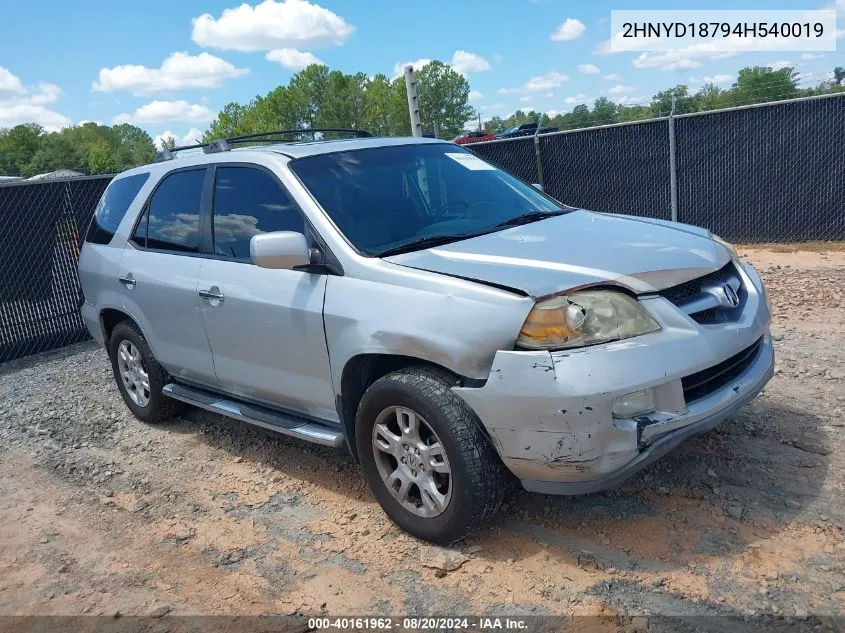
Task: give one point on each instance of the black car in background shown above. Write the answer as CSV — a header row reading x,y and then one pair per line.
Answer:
x,y
526,129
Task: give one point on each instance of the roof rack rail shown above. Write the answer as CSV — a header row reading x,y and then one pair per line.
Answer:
x,y
224,145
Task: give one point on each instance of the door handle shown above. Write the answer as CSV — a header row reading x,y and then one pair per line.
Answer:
x,y
127,280
212,294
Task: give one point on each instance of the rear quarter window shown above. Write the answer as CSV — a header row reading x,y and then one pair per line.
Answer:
x,y
112,207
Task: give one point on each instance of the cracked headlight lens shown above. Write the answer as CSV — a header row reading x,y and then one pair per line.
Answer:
x,y
584,318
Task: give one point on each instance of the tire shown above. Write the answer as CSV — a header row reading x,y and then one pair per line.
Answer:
x,y
464,499
148,405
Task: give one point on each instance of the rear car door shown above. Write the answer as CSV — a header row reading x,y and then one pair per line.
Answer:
x,y
158,274
265,326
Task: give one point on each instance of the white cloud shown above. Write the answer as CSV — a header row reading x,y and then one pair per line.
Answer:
x,y
579,98
712,79
779,65
497,57
667,60
540,83
15,114
589,69
475,95
399,67
839,5
192,137
620,89
160,111
526,108
271,25
630,100
292,58
613,77
690,56
179,71
526,98
571,29
809,56
20,104
840,34
10,83
464,62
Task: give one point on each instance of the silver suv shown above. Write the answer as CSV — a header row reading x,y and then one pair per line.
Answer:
x,y
446,322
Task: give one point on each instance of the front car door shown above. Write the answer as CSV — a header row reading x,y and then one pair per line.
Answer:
x,y
265,326
158,274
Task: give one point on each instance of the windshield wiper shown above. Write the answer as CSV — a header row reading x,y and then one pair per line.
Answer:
x,y
425,242
526,218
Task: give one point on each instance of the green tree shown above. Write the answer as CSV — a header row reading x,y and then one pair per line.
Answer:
x,y
101,158
661,103
761,84
838,75
605,111
228,122
135,146
55,152
18,146
710,97
444,99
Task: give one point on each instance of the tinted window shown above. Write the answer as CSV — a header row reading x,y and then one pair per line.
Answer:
x,y
383,198
113,206
140,234
174,212
247,202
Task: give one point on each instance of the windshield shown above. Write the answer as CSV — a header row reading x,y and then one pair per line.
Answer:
x,y
388,197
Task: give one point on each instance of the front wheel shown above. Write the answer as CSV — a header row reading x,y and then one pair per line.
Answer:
x,y
425,456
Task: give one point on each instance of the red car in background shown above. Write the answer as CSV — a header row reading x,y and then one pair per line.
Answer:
x,y
474,137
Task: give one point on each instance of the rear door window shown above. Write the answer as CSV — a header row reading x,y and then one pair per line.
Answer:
x,y
113,206
173,213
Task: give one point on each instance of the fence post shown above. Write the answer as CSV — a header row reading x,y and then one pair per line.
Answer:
x,y
539,156
673,165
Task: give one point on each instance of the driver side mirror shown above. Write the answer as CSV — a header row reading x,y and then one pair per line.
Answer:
x,y
279,250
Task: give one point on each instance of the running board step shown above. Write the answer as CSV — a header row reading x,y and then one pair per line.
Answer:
x,y
257,415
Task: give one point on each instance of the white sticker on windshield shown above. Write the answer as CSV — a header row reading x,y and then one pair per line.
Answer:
x,y
469,161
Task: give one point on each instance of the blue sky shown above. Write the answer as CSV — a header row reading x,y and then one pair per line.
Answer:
x,y
170,65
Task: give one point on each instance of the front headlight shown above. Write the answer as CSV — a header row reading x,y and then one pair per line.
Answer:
x,y
727,245
584,318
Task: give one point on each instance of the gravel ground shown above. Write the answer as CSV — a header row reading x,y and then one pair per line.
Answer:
x,y
101,514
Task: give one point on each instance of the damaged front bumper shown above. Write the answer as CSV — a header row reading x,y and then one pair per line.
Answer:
x,y
549,414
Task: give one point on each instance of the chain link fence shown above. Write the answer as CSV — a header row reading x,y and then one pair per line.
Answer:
x,y
42,226
759,174
764,173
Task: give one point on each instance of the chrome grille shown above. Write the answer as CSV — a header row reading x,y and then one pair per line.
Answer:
x,y
707,299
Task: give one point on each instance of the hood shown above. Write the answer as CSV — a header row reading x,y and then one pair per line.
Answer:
x,y
578,249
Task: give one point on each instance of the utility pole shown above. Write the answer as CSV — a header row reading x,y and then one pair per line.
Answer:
x,y
480,129
673,166
413,101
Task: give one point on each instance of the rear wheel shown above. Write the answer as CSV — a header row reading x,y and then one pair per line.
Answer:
x,y
426,459
139,377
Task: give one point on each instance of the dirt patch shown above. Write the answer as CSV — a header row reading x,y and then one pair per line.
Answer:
x,y
103,514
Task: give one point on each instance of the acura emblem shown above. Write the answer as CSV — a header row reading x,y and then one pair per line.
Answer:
x,y
730,295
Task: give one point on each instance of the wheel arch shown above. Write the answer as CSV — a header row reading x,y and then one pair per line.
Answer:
x,y
363,370
111,317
